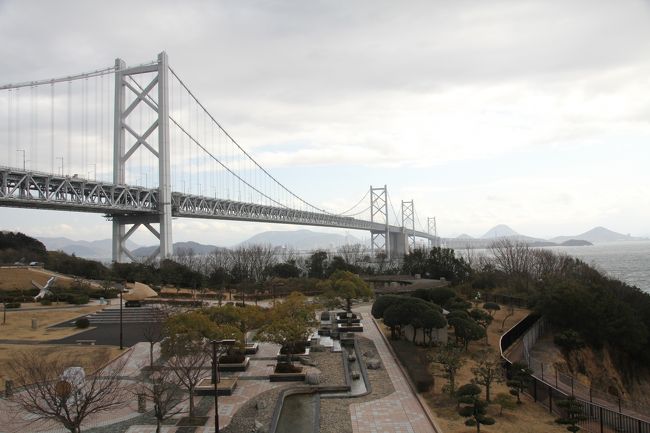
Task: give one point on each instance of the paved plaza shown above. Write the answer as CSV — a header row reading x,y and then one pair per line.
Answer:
x,y
399,412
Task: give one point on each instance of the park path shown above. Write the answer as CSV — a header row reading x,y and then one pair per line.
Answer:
x,y
399,412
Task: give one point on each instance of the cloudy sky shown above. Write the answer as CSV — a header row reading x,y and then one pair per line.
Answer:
x,y
531,113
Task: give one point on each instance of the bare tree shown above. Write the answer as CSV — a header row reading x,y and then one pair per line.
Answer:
x,y
52,392
187,360
353,254
164,389
153,331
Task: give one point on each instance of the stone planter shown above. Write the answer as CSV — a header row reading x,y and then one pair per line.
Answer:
x,y
235,366
251,348
226,386
288,377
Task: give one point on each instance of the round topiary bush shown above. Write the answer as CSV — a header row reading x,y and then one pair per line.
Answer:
x,y
82,323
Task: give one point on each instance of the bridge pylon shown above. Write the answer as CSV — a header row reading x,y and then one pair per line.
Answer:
x,y
379,240
408,223
155,95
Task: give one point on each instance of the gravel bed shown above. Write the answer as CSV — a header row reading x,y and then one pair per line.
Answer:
x,y
335,413
330,365
258,409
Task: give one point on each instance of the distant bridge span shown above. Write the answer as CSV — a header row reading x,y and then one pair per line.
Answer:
x,y
160,134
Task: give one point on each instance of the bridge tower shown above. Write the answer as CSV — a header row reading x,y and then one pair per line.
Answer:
x,y
155,95
408,223
432,230
378,211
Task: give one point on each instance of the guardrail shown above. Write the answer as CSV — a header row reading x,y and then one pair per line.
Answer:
x,y
600,417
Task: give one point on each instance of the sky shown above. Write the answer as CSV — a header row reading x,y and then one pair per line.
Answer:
x,y
530,113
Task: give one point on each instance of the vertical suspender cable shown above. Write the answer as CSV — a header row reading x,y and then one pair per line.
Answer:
x,y
9,127
52,128
68,142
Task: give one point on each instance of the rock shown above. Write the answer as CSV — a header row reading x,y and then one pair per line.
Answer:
x,y
356,376
312,378
306,361
373,364
259,427
369,354
260,405
352,358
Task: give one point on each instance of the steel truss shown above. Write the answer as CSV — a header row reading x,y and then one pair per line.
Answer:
x,y
45,191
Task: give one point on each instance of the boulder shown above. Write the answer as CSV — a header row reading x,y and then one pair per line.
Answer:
x,y
260,427
312,378
373,364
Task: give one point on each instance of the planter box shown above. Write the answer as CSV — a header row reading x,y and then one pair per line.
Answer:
x,y
287,377
240,366
226,386
251,348
353,327
294,356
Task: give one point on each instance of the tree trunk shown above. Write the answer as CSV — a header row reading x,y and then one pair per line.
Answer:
x,y
157,426
191,402
487,393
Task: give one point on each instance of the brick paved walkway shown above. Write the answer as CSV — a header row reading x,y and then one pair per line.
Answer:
x,y
400,412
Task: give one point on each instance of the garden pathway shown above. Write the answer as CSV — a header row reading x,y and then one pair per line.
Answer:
x,y
399,412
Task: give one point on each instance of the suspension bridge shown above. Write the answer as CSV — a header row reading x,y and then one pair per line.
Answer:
x,y
135,144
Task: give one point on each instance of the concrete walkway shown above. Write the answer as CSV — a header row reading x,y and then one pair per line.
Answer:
x,y
400,412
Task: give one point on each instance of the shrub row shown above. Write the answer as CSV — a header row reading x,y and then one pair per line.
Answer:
x,y
415,363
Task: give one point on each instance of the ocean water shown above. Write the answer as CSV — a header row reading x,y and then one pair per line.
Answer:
x,y
625,261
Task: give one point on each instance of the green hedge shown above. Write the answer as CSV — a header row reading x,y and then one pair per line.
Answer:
x,y
414,360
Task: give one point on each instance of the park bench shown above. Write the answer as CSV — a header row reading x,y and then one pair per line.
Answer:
x,y
90,342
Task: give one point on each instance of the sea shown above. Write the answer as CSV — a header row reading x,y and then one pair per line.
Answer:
x,y
625,261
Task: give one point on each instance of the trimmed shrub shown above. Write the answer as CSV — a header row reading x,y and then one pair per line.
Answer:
x,y
45,302
82,323
77,299
9,305
569,340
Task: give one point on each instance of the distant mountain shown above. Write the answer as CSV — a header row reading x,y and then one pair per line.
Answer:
x,y
302,239
463,236
598,235
100,249
197,248
500,231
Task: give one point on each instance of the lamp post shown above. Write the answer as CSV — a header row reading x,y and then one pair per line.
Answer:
x,y
121,332
215,375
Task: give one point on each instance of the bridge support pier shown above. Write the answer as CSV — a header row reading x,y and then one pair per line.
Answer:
x,y
399,245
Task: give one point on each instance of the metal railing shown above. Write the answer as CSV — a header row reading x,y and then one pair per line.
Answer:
x,y
602,416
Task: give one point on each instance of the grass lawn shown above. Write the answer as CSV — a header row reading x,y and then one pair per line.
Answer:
x,y
88,357
19,323
528,417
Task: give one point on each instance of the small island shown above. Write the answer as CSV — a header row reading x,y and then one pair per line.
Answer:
x,y
575,243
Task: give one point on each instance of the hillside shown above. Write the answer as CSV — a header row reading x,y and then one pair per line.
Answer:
x,y
179,247
99,249
302,239
598,235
